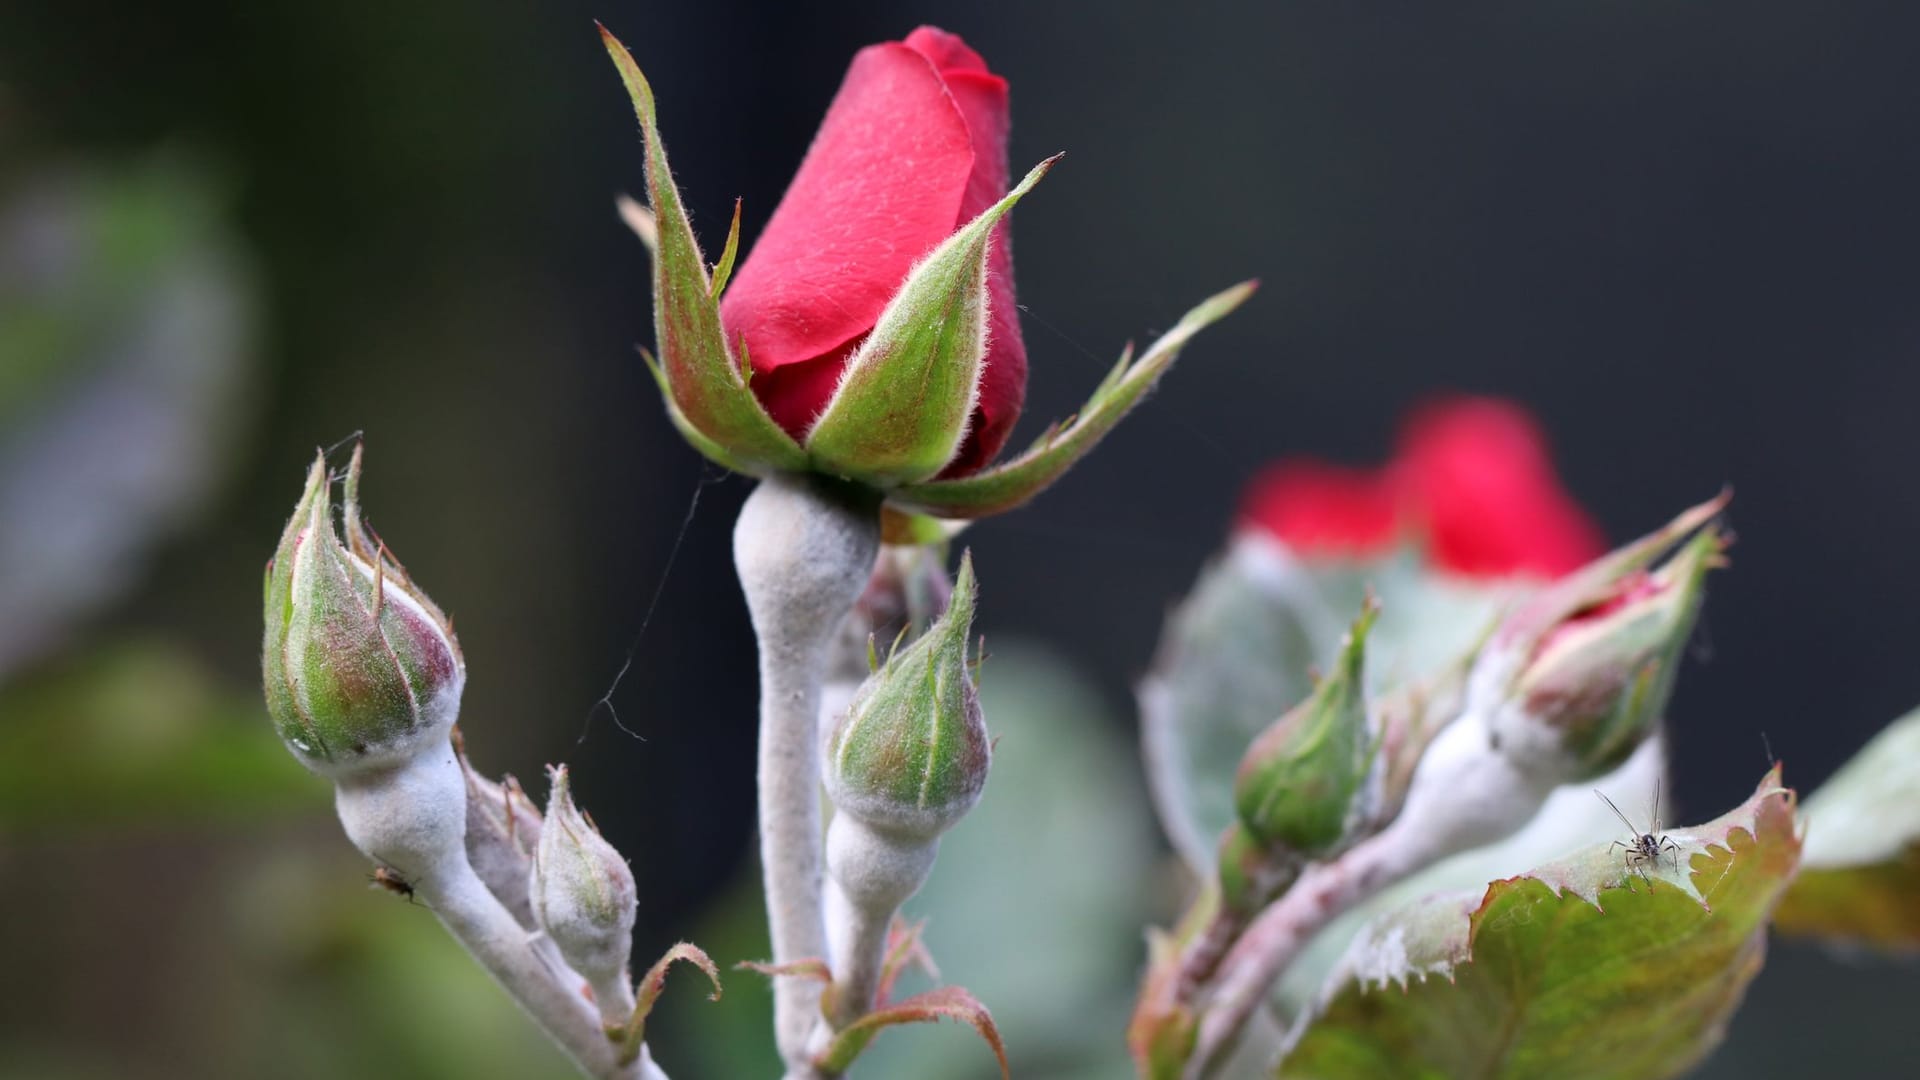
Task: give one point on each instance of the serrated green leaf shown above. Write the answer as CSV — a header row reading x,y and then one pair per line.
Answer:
x,y
901,408
1570,819
704,384
1012,483
1860,881
1579,969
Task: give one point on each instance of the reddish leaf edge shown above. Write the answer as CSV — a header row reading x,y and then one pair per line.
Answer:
x,y
653,982
949,1002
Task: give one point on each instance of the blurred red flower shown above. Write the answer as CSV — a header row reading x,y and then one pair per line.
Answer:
x,y
913,146
1471,480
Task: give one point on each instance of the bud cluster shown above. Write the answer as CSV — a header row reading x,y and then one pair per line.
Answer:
x,y
363,679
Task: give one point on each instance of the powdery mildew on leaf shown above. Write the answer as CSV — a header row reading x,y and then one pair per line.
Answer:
x,y
1579,969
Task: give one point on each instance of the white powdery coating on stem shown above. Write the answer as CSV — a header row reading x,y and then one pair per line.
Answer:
x,y
803,558
486,930
870,873
412,820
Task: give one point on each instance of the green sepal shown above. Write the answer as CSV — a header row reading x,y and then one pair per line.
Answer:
x,y
1012,483
709,449
901,408
703,382
902,527
723,270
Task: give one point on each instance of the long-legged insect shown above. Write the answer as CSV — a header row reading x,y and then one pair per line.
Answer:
x,y
383,878
1645,847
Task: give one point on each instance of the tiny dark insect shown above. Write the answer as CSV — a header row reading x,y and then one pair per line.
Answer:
x,y
1645,847
383,878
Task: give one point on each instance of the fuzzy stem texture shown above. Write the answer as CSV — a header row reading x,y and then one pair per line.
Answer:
x,y
1465,794
870,873
412,819
803,553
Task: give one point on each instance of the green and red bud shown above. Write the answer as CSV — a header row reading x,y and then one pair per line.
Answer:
x,y
583,894
361,670
1303,786
1584,670
911,753
872,335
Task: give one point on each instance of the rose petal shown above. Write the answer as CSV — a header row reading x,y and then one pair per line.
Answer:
x,y
1318,508
1485,489
881,185
947,51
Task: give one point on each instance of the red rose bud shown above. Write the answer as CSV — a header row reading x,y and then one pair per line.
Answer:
x,y
584,896
1472,480
906,397
1302,787
1583,671
910,755
1324,510
361,670
913,148
872,334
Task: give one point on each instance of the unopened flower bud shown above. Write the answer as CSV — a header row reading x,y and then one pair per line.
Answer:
x,y
503,830
1585,669
361,669
1302,786
584,895
910,755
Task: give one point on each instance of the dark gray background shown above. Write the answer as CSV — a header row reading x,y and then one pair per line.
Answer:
x,y
1684,234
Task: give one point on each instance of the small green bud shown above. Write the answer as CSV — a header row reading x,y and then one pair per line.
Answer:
x,y
1302,783
361,670
584,895
1589,665
910,755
